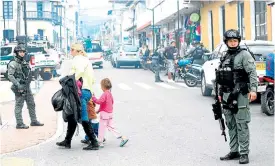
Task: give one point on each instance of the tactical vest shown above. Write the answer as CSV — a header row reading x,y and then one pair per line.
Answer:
x,y
227,76
25,74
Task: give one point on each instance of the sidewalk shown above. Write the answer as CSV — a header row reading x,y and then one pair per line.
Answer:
x,y
13,139
7,95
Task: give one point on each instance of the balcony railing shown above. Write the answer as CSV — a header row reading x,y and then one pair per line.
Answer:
x,y
44,16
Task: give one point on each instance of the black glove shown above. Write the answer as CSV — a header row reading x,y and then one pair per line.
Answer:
x,y
234,94
20,87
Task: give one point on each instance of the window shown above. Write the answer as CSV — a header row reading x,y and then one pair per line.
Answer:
x,y
241,20
39,9
130,48
95,48
5,51
8,9
260,21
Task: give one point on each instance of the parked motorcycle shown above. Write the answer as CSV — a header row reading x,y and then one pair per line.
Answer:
x,y
181,69
107,55
193,75
267,97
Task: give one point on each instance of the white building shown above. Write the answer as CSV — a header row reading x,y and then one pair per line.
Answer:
x,y
46,19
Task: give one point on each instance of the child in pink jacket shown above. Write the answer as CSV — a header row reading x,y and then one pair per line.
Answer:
x,y
106,102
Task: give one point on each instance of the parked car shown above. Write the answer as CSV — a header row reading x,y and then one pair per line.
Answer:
x,y
126,55
95,54
259,48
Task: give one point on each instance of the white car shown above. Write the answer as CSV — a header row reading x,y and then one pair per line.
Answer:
x,y
259,48
126,55
95,55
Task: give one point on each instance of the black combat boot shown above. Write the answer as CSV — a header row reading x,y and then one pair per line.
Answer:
x,y
65,143
158,80
244,159
21,126
36,123
70,132
90,133
231,156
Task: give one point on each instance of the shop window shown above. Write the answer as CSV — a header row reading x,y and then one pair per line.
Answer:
x,y
260,21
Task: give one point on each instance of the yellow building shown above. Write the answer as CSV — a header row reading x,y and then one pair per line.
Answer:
x,y
252,19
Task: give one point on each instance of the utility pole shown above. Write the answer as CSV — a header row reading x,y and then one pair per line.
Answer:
x,y
153,27
153,30
178,31
134,15
25,22
18,22
60,27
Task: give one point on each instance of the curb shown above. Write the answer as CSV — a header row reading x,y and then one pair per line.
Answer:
x,y
58,133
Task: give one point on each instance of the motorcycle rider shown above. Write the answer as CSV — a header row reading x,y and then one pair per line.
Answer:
x,y
171,53
197,52
20,76
237,80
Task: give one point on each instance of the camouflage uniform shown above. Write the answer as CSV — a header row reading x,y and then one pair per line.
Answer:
x,y
19,75
241,64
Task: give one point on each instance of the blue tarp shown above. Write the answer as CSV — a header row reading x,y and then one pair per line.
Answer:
x,y
270,65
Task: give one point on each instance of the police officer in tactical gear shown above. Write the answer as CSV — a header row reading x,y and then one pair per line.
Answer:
x,y
20,76
156,58
237,80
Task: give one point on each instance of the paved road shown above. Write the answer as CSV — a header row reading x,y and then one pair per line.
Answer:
x,y
168,125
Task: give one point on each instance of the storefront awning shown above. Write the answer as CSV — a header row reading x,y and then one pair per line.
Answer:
x,y
144,26
131,28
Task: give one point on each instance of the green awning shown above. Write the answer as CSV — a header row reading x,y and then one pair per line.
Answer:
x,y
131,28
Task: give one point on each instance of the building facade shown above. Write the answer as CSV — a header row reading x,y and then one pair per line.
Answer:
x,y
55,20
252,18
170,20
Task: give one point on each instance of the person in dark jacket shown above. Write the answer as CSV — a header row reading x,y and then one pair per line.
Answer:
x,y
81,69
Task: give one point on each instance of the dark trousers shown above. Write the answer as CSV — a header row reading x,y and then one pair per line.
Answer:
x,y
86,126
156,69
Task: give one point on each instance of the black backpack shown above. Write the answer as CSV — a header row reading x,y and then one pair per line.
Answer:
x,y
6,74
198,53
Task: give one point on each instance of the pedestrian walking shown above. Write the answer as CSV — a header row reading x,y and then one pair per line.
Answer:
x,y
81,69
19,73
106,102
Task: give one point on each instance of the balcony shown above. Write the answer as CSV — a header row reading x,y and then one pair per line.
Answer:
x,y
44,16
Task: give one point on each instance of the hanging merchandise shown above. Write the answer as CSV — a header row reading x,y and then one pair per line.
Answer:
x,y
192,26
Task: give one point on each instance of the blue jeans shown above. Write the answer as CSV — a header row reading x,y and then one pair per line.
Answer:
x,y
85,98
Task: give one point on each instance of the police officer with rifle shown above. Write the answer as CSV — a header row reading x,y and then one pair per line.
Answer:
x,y
236,86
20,76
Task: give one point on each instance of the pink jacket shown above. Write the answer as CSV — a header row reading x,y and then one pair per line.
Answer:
x,y
79,85
106,102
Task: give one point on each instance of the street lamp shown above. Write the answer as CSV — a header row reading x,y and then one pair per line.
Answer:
x,y
153,22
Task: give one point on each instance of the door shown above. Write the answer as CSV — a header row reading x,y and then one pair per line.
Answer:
x,y
40,32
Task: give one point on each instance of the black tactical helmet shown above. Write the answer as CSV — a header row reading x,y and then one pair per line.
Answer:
x,y
20,47
231,34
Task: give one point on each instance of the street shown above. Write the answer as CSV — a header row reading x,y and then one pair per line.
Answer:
x,y
167,125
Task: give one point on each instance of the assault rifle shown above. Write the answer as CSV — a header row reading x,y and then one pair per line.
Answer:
x,y
217,109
